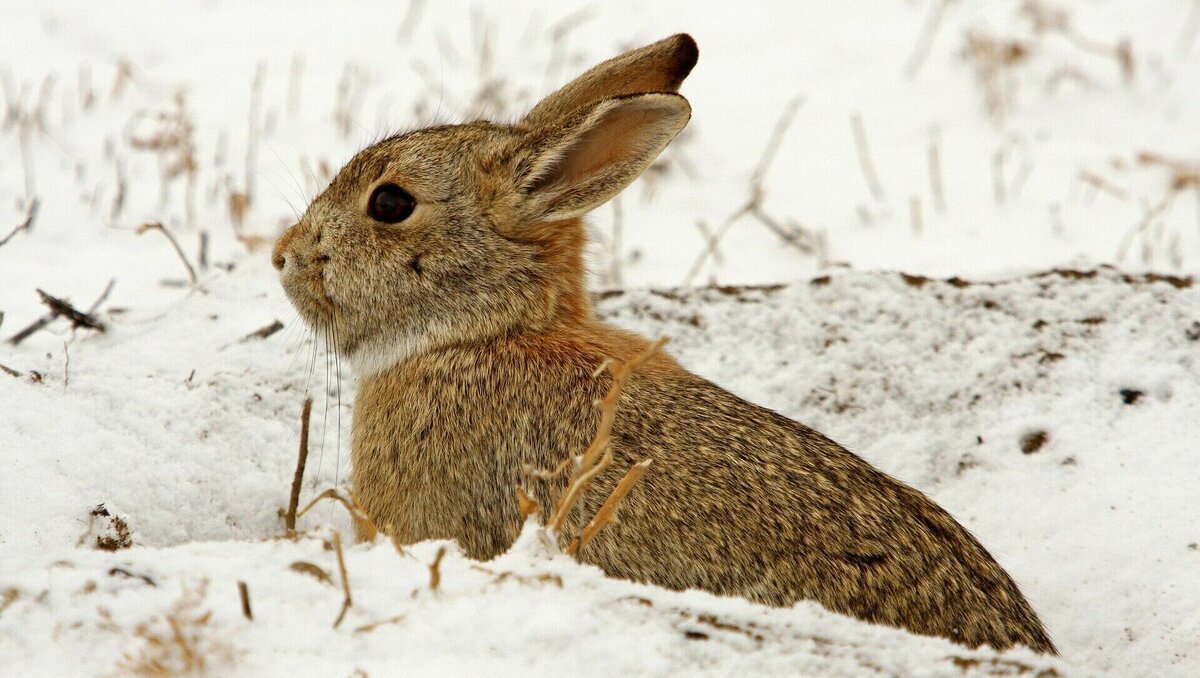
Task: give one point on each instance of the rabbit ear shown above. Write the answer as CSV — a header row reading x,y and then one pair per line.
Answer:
x,y
580,166
660,67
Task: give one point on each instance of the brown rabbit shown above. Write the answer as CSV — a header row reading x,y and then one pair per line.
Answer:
x,y
447,264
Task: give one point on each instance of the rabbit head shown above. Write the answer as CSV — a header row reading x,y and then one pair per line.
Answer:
x,y
457,233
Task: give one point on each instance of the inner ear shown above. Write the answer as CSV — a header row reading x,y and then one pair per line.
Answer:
x,y
618,138
591,161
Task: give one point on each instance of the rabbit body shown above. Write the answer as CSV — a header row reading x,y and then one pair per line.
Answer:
x,y
466,316
739,500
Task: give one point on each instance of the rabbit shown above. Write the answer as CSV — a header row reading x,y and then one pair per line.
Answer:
x,y
447,266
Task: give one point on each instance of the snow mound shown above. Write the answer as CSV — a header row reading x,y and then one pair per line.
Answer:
x,y
527,613
1053,415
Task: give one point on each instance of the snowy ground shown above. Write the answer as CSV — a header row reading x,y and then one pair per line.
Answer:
x,y
185,429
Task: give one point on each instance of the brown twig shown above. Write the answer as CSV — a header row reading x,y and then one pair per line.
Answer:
x,y
244,595
525,505
157,226
1050,19
914,210
933,20
347,601
604,515
711,244
26,223
598,455
367,628
1150,214
1184,174
360,517
1103,185
863,148
435,571
936,185
995,58
297,479
33,327
49,317
59,307
202,251
118,201
264,331
172,141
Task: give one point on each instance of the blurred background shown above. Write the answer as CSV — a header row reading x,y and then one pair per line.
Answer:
x,y
939,137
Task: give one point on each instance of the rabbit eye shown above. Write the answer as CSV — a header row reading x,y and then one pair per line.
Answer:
x,y
390,204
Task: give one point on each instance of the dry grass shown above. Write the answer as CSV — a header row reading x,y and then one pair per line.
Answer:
x,y
933,21
863,149
435,569
598,456
58,307
367,527
1049,19
357,514
109,532
995,58
604,515
179,642
171,138
347,599
298,476
1151,231
790,232
312,570
26,224
244,597
158,226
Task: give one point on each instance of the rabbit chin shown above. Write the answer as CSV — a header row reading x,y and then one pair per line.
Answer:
x,y
382,352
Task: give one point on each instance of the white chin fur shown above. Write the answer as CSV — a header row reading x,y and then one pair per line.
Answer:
x,y
379,355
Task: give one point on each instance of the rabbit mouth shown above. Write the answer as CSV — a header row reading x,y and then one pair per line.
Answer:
x,y
310,297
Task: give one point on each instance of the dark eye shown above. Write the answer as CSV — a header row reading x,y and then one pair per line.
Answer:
x,y
390,204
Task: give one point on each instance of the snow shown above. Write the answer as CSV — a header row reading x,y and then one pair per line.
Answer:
x,y
184,426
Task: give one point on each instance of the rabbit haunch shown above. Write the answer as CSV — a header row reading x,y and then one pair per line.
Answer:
x,y
476,347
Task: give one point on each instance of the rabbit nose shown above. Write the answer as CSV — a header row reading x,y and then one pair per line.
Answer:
x,y
279,254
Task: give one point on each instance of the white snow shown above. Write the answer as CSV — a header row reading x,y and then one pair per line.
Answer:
x,y
186,430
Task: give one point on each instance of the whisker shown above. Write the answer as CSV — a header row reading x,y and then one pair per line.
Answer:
x,y
325,414
311,173
295,328
312,363
337,361
282,196
291,174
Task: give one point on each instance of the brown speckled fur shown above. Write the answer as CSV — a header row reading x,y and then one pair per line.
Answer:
x,y
476,344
